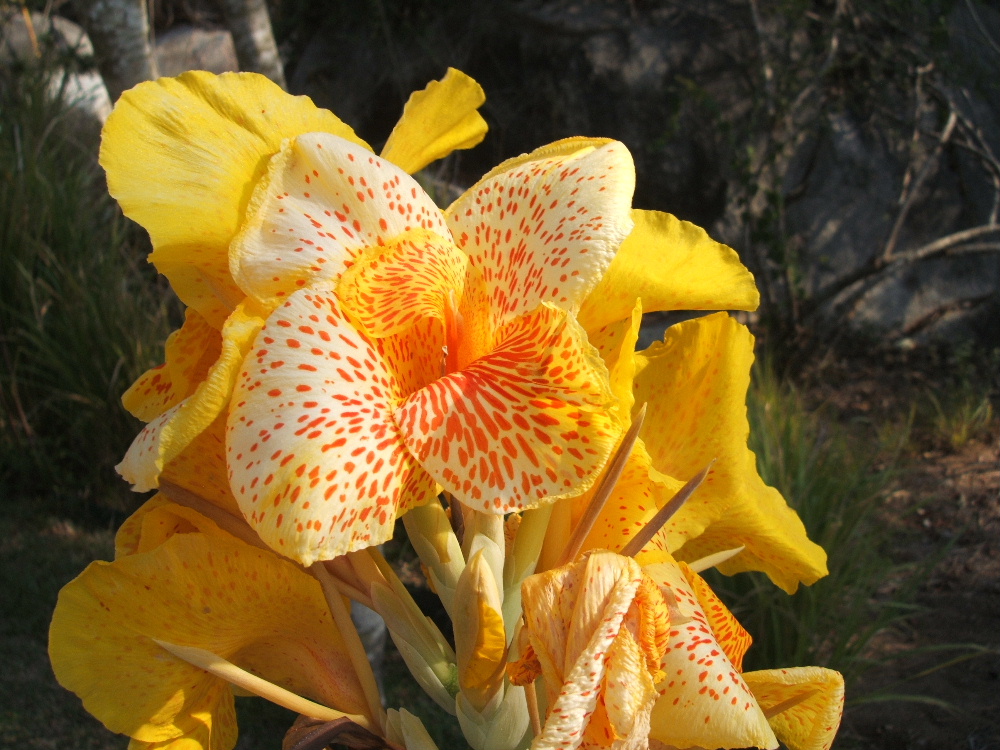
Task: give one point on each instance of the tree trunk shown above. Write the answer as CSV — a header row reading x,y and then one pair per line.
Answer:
x,y
250,26
119,31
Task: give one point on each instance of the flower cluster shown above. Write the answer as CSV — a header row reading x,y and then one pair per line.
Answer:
x,y
351,355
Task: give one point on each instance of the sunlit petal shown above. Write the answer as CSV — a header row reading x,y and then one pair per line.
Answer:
x,y
695,383
190,352
728,631
671,265
807,703
531,421
243,603
544,227
703,701
440,119
323,201
168,435
193,147
317,462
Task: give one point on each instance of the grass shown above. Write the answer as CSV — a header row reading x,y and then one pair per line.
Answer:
x,y
835,485
81,315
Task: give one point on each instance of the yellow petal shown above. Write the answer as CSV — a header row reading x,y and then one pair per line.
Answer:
x,y
616,344
190,351
804,704
440,119
242,603
168,435
703,701
212,731
323,201
728,631
182,156
671,265
201,468
480,640
154,522
695,384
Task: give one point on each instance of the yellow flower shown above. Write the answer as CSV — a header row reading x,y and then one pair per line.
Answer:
x,y
127,636
694,385
347,413
183,156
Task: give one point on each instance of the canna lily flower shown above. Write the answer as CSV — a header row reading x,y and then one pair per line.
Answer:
x,y
153,642
347,412
597,631
183,156
694,386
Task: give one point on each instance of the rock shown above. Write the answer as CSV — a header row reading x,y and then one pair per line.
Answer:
x,y
81,88
191,48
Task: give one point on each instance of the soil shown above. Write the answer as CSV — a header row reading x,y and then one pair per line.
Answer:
x,y
944,512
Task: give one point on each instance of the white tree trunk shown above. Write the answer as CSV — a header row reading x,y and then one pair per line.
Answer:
x,y
119,31
256,49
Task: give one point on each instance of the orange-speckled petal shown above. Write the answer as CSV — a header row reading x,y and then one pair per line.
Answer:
x,y
182,156
732,636
545,227
316,461
190,352
323,201
245,604
695,384
532,421
703,701
671,265
808,703
169,434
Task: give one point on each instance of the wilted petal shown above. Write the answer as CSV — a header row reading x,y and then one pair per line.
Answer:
x,y
316,460
807,704
670,265
442,118
695,384
528,422
193,147
323,201
544,227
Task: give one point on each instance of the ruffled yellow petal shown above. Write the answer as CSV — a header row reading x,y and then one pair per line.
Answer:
x,y
190,352
216,593
442,118
670,265
695,385
154,522
704,702
183,155
323,201
201,468
168,435
616,344
804,704
212,731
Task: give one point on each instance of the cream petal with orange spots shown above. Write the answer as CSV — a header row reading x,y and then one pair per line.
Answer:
x,y
544,227
190,352
695,384
530,422
316,460
242,603
169,434
805,704
670,265
703,701
442,118
323,201
732,636
182,156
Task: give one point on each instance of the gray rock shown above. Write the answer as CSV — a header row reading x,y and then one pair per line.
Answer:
x,y
191,48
